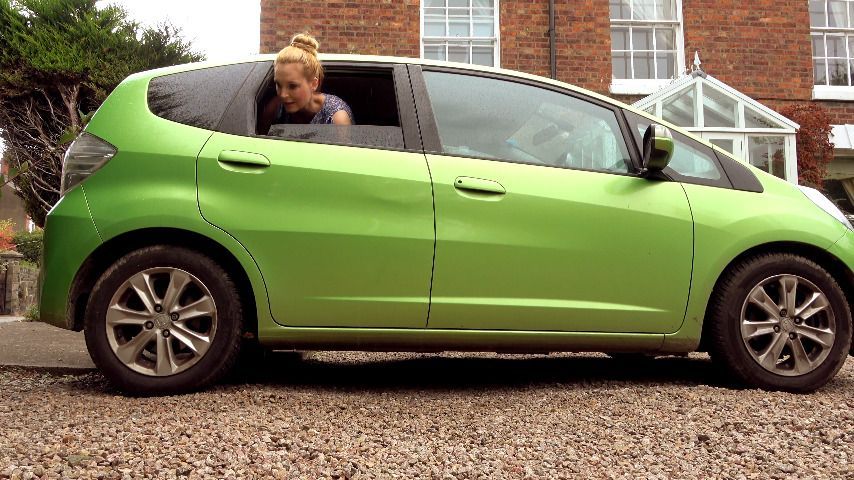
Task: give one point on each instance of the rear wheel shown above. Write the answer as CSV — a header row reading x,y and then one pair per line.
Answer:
x,y
779,322
164,319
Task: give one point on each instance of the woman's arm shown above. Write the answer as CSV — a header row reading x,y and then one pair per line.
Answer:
x,y
341,118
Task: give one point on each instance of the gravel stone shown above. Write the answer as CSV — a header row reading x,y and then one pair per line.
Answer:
x,y
354,415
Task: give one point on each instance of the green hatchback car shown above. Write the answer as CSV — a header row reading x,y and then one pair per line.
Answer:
x,y
469,208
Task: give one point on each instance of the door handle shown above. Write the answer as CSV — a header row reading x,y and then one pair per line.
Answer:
x,y
479,185
243,159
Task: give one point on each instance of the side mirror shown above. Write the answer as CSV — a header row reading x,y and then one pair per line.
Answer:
x,y
657,148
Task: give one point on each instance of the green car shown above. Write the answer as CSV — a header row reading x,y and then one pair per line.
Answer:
x,y
469,208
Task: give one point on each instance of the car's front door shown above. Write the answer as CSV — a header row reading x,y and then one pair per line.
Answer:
x,y
541,223
340,221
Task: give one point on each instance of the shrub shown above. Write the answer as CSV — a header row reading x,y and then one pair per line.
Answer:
x,y
29,244
32,314
813,139
6,233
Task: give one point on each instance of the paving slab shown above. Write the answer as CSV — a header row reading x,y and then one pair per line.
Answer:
x,y
41,346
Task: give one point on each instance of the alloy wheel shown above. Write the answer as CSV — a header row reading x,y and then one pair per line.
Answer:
x,y
161,321
788,325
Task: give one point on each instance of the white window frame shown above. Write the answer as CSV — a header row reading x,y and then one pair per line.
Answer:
x,y
496,57
637,86
833,92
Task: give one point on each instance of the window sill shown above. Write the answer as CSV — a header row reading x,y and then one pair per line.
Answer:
x,y
637,87
824,92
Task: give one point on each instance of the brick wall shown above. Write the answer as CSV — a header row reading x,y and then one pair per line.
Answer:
x,y
761,48
584,43
524,36
376,27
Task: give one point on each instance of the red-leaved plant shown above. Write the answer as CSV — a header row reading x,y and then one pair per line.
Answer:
x,y
6,232
813,139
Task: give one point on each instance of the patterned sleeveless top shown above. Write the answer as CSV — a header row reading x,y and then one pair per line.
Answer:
x,y
331,105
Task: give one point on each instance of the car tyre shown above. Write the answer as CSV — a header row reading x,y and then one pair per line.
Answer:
x,y
754,335
164,320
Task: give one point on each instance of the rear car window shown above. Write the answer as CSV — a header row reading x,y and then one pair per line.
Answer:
x,y
369,92
198,97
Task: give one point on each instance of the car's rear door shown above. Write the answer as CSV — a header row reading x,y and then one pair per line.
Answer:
x,y
541,222
339,220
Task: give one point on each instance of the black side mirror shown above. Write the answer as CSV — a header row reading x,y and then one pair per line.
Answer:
x,y
657,148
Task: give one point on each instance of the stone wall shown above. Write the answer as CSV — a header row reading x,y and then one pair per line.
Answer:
x,y
19,284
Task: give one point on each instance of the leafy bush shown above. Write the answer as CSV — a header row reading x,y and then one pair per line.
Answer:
x,y
29,244
59,59
32,314
813,142
6,233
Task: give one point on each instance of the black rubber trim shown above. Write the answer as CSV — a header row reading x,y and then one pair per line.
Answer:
x,y
634,152
406,112
241,115
740,176
426,120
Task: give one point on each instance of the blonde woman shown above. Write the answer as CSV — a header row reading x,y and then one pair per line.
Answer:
x,y
298,73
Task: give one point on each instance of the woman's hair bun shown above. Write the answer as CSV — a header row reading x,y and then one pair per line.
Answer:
x,y
305,42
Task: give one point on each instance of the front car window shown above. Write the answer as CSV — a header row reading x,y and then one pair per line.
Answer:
x,y
460,31
506,120
692,161
644,39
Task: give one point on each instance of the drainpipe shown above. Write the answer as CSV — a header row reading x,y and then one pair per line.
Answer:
x,y
552,47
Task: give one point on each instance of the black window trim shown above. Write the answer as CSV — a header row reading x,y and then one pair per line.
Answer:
x,y
244,123
430,130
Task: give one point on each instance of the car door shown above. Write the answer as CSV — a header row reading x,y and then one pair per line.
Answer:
x,y
541,221
338,219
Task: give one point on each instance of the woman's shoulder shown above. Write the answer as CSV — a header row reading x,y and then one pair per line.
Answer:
x,y
334,103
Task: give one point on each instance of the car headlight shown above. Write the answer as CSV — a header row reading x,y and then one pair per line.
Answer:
x,y
825,204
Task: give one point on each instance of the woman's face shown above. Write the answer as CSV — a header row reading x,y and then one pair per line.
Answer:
x,y
293,88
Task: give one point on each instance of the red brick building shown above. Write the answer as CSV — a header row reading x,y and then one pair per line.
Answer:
x,y
776,51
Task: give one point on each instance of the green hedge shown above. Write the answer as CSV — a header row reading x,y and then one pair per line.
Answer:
x,y
29,245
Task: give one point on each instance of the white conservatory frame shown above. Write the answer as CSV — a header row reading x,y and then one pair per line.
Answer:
x,y
739,134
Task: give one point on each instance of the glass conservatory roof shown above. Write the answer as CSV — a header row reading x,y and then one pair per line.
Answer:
x,y
700,101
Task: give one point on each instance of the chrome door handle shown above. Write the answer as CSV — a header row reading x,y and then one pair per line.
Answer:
x,y
479,185
244,159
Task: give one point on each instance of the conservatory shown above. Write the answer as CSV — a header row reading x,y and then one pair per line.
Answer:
x,y
729,119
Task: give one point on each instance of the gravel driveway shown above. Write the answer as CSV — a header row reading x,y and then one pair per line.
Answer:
x,y
359,415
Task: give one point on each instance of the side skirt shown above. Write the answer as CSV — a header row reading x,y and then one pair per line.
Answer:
x,y
434,340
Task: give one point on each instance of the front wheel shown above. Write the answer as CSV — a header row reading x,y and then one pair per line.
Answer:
x,y
164,319
779,322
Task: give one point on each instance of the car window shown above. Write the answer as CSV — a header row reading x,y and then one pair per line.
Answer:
x,y
691,159
506,120
197,97
371,96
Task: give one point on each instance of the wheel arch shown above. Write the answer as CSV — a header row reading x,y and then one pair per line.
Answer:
x,y
836,267
113,249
